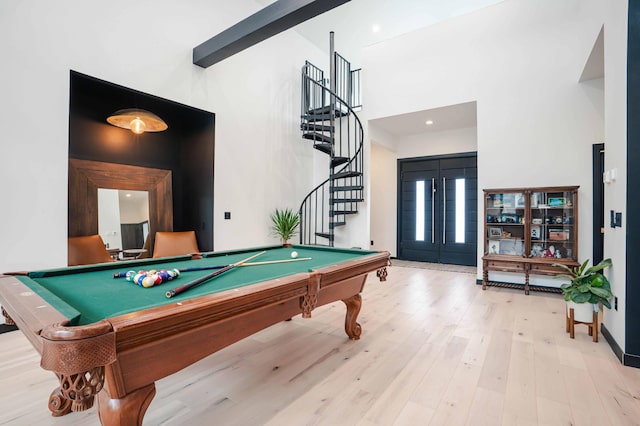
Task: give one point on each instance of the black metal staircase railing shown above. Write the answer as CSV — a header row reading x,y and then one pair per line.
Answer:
x,y
328,119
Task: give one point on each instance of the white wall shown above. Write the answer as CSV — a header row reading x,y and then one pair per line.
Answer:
x,y
384,199
521,61
438,143
615,47
260,160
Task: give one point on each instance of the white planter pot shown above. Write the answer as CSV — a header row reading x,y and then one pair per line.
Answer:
x,y
582,312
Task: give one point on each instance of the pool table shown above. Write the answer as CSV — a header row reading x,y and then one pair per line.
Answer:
x,y
109,337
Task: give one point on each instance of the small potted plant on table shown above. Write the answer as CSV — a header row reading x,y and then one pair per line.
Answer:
x,y
586,290
284,224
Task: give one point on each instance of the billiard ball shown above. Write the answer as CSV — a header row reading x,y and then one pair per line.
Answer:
x,y
294,254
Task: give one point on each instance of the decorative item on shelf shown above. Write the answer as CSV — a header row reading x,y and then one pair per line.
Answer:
x,y
284,224
494,247
536,199
137,120
586,290
549,252
496,200
556,201
506,234
559,235
509,219
519,200
537,251
536,221
535,232
508,200
511,247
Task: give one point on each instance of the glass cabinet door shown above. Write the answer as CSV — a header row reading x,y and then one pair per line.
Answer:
x,y
553,225
505,223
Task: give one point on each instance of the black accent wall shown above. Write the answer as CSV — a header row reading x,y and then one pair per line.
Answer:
x,y
632,308
186,147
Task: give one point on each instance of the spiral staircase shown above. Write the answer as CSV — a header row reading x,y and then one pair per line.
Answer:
x,y
329,120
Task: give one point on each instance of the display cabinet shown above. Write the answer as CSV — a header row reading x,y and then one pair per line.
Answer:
x,y
527,230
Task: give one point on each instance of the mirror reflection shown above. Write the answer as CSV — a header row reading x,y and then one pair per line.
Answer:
x,y
123,221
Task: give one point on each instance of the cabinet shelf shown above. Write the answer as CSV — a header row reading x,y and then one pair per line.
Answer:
x,y
513,243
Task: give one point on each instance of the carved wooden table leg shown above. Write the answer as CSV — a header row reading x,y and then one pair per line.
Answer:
x,y
128,410
382,273
77,390
352,328
7,318
58,404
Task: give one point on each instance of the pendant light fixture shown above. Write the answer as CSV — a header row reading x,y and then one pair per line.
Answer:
x,y
137,120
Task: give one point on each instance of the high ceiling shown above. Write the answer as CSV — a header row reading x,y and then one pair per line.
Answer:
x,y
442,119
361,23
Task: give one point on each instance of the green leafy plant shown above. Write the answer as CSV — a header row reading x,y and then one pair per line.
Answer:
x,y
587,285
284,224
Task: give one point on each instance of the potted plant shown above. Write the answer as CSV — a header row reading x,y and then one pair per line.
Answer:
x,y
284,224
587,288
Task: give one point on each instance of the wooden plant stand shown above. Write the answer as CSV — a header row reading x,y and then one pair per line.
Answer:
x,y
571,322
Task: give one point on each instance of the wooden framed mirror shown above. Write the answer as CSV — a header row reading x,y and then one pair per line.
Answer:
x,y
85,177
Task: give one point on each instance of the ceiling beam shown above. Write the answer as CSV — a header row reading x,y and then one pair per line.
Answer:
x,y
273,19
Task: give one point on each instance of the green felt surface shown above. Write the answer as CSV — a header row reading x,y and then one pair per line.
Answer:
x,y
95,294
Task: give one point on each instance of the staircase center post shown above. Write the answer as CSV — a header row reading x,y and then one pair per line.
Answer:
x,y
332,119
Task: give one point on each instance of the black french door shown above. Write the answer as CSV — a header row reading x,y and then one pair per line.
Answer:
x,y
437,209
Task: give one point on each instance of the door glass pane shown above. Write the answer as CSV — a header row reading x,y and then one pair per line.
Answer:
x,y
460,197
420,210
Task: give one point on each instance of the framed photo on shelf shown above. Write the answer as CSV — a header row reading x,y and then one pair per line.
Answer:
x,y
497,200
495,232
519,200
494,246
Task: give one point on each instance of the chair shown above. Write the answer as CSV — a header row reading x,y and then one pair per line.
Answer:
x,y
175,244
87,250
146,247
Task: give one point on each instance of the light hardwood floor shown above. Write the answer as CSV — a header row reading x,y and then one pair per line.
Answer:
x,y
435,349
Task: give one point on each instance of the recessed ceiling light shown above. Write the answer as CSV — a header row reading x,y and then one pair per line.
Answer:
x,y
127,195
428,122
375,28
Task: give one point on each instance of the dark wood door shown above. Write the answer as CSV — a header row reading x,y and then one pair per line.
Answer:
x,y
420,212
437,214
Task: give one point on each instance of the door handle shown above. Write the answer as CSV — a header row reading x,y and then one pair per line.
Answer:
x,y
444,211
433,210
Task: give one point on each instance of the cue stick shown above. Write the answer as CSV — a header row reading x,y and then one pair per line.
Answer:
x,y
207,277
205,268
